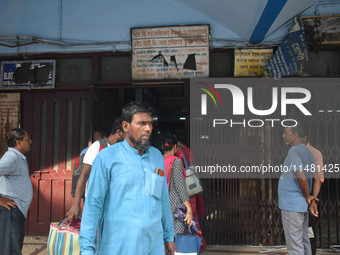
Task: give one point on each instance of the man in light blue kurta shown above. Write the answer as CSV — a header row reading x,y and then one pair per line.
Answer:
x,y
126,197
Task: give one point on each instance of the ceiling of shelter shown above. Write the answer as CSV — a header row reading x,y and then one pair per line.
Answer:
x,y
253,20
106,26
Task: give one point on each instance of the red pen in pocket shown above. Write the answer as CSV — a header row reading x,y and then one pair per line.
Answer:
x,y
159,171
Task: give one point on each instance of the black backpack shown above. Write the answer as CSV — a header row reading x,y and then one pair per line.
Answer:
x,y
78,167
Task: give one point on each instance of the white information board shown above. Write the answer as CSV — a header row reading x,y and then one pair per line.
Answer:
x,y
170,52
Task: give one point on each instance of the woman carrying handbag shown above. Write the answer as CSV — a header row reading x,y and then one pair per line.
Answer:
x,y
175,175
196,202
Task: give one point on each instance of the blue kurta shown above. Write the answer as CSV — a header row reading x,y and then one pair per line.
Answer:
x,y
130,202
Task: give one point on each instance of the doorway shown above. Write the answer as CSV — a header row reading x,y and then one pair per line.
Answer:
x,y
170,103
58,123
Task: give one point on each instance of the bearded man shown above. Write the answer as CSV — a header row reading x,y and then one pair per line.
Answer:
x,y
126,197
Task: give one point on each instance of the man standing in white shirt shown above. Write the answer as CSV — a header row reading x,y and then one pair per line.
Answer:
x,y
117,135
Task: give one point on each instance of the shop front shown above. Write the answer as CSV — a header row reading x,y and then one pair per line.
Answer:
x,y
90,91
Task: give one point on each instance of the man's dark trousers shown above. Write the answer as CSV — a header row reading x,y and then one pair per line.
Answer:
x,y
12,231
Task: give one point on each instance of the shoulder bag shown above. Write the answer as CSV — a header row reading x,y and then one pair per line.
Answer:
x,y
193,183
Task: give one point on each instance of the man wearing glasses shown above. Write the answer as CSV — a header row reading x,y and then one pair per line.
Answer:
x,y
15,192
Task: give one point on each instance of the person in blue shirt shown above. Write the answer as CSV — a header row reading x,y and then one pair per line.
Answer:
x,y
126,199
16,192
295,186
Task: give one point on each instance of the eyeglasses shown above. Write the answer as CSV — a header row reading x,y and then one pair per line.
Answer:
x,y
28,140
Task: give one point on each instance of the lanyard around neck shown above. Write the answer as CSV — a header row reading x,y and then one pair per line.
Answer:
x,y
108,141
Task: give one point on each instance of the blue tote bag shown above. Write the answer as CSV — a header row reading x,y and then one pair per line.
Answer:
x,y
188,243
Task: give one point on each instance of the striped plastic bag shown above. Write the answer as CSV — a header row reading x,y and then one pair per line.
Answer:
x,y
63,238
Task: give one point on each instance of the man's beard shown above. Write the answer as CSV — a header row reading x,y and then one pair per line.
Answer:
x,y
140,145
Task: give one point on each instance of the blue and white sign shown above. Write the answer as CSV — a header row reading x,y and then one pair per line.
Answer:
x,y
29,74
290,55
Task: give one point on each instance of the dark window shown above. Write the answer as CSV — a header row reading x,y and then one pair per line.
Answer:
x,y
221,64
74,70
115,68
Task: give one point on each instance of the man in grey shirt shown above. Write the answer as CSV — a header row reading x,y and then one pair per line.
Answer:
x,y
15,192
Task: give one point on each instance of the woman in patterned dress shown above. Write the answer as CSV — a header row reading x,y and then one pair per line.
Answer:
x,y
175,177
196,202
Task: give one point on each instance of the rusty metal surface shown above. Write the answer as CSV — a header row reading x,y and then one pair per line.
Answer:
x,y
245,211
53,120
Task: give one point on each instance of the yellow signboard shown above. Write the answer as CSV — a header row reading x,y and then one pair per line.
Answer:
x,y
251,62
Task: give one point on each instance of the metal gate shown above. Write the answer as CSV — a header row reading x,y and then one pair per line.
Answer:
x,y
245,211
59,125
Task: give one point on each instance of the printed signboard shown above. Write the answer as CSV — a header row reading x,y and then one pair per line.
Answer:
x,y
9,110
30,74
290,55
170,52
251,62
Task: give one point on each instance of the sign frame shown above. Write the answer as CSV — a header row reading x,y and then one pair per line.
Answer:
x,y
251,62
170,52
8,68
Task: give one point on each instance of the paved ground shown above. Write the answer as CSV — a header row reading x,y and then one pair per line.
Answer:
x,y
37,245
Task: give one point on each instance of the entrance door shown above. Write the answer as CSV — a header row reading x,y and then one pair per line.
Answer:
x,y
59,125
170,102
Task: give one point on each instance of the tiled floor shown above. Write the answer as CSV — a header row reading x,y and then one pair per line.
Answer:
x,y
37,245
